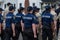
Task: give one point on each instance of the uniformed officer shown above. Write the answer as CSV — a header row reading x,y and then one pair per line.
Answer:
x,y
18,21
7,9
58,23
36,20
29,28
10,24
1,24
47,24
55,20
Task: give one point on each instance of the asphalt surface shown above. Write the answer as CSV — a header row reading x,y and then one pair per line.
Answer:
x,y
59,36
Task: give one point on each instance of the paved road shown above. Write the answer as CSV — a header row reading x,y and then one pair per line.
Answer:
x,y
59,36
20,38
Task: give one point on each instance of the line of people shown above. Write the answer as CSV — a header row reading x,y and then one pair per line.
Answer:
x,y
29,23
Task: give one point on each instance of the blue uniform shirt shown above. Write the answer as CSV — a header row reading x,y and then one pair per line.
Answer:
x,y
47,18
28,20
36,19
1,18
18,17
9,19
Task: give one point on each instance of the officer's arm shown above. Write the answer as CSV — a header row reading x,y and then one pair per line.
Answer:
x,y
22,25
13,24
40,22
52,24
0,27
34,27
13,27
1,24
55,20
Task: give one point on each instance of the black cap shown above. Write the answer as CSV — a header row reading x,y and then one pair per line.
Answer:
x,y
38,8
53,6
29,8
34,8
59,4
21,8
1,9
47,7
11,8
9,4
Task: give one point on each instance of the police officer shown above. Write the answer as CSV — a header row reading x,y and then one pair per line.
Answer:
x,y
10,24
1,24
58,23
55,22
35,11
47,24
18,21
29,28
7,9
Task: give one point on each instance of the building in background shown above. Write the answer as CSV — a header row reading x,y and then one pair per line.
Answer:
x,y
1,3
18,3
25,3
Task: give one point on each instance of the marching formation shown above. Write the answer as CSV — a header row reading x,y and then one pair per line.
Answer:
x,y
29,24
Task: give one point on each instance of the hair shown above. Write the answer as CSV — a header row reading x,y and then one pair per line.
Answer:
x,y
29,8
34,12
9,4
52,6
19,11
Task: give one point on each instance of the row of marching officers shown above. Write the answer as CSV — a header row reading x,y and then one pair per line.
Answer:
x,y
19,23
29,24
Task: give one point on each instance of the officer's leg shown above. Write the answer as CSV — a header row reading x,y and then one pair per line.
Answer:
x,y
2,35
24,36
50,34
21,31
17,31
44,34
57,28
28,34
7,34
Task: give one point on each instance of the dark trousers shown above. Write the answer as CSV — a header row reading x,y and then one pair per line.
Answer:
x,y
18,29
2,35
8,34
57,28
47,33
28,34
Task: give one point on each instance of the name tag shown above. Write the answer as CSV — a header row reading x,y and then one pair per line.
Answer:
x,y
46,16
18,16
9,17
27,18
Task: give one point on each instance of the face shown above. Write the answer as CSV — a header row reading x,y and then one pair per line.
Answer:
x,y
23,10
31,11
53,9
0,12
59,6
10,5
13,10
